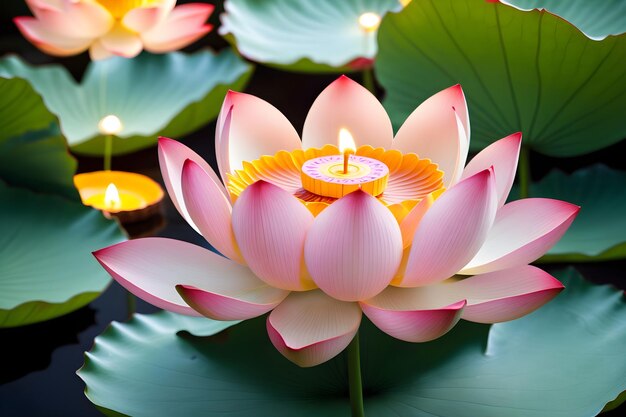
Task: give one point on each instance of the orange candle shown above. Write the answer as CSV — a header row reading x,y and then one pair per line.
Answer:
x,y
125,195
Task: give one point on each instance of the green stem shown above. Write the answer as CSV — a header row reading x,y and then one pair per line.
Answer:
x,y
131,304
354,378
524,172
108,150
368,80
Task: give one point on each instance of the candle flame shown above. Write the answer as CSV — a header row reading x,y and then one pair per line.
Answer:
x,y
110,125
369,21
112,198
346,141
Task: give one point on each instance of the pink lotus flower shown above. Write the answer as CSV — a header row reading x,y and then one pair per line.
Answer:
x,y
113,27
317,265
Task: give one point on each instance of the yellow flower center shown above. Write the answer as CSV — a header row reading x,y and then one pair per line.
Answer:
x,y
118,8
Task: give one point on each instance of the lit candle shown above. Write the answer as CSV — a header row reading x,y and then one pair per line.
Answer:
x,y
338,175
346,147
125,195
112,200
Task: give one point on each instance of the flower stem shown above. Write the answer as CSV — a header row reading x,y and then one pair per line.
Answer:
x,y
108,150
354,377
131,304
524,172
368,80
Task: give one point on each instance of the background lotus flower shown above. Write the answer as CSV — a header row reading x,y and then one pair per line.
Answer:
x,y
113,27
318,270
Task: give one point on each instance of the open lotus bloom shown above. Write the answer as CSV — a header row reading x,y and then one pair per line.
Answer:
x,y
113,27
437,242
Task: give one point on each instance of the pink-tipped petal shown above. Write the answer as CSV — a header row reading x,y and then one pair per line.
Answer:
x,y
172,156
151,268
502,155
354,248
183,26
309,328
122,41
98,52
270,226
347,104
499,296
439,129
37,6
452,231
409,224
242,306
48,41
209,209
142,18
523,231
248,128
76,19
409,314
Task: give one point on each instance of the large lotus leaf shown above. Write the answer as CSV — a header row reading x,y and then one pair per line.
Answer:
x,y
33,154
45,255
599,231
21,108
597,19
521,71
565,360
302,35
39,161
170,94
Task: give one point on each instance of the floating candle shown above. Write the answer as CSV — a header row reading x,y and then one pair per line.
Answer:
x,y
112,201
125,195
338,175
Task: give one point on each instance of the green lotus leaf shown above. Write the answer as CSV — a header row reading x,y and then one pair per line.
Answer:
x,y
521,71
170,94
301,35
33,154
45,253
597,19
562,360
39,161
599,231
21,108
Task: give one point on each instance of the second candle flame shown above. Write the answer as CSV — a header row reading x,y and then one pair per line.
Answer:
x,y
112,198
346,146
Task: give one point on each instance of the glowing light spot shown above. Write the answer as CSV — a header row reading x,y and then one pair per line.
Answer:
x,y
110,125
369,21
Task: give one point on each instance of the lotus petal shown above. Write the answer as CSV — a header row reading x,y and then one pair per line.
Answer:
x,y
309,328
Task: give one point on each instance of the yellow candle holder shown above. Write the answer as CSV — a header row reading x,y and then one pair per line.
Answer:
x,y
127,196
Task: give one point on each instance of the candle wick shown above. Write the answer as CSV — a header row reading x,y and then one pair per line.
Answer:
x,y
346,159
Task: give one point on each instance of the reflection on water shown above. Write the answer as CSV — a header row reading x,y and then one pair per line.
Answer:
x,y
29,348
